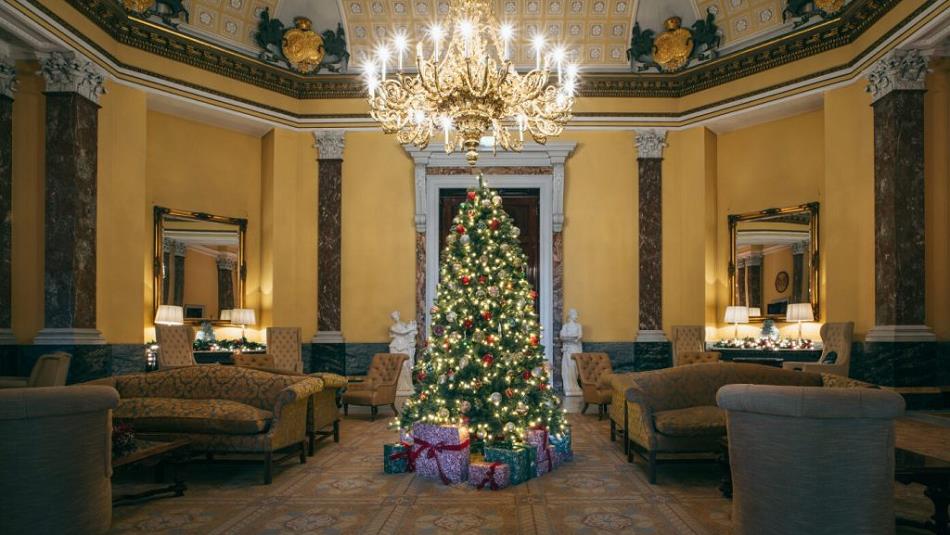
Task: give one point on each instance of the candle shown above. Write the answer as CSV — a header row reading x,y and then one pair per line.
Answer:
x,y
507,32
521,121
538,42
402,44
436,33
419,51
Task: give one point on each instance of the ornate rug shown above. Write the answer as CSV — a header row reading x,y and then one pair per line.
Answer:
x,y
342,490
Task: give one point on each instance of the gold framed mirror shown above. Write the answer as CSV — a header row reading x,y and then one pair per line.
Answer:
x,y
773,260
199,263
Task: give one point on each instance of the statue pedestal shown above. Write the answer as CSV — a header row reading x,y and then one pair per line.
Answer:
x,y
404,385
569,368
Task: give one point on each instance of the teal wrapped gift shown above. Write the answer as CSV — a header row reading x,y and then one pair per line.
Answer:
x,y
562,445
521,459
396,458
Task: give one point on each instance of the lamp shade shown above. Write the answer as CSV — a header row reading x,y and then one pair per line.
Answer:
x,y
169,315
243,316
755,312
799,312
737,315
225,315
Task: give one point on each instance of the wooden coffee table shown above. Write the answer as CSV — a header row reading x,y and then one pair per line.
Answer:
x,y
159,452
923,456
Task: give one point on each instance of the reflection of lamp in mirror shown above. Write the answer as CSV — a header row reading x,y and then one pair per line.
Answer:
x,y
737,315
755,312
799,312
169,315
243,317
225,315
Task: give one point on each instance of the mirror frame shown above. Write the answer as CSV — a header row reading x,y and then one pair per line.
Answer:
x,y
815,272
159,213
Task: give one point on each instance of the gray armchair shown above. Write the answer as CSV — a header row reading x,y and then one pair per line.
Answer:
x,y
811,460
836,339
49,370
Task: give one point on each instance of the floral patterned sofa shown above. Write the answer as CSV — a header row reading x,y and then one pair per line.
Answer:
x,y
220,409
674,410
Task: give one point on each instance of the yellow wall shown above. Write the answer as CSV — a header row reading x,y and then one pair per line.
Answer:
x,y
773,264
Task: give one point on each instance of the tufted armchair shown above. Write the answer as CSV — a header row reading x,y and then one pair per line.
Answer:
x,y
283,343
379,385
687,339
49,370
836,339
591,367
175,346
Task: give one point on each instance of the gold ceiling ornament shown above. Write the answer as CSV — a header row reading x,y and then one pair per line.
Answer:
x,y
467,87
138,6
830,7
302,46
672,48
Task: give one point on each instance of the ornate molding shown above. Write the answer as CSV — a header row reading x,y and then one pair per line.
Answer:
x,y
898,70
329,144
8,80
804,42
650,143
800,247
64,72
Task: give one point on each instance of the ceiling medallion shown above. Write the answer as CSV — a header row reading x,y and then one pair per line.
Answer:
x,y
467,87
302,46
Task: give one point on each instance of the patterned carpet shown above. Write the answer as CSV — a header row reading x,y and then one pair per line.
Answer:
x,y
342,490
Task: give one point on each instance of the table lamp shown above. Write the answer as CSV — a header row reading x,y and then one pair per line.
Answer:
x,y
225,315
799,312
169,315
737,315
243,317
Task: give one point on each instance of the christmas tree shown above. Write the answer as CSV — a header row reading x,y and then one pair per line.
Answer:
x,y
484,366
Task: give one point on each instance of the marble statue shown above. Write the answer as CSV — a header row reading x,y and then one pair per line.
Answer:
x,y
403,337
571,334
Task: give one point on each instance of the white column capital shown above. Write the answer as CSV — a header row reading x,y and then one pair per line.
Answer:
x,y
65,72
650,143
225,262
898,70
329,144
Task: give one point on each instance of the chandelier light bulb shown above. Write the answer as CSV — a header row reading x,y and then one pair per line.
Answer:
x,y
537,42
437,33
382,56
507,32
401,43
559,54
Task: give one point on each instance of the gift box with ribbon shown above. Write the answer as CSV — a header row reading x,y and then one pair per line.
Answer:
x,y
440,452
538,440
521,460
396,458
492,475
564,450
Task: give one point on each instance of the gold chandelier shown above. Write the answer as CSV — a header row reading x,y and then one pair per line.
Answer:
x,y
467,86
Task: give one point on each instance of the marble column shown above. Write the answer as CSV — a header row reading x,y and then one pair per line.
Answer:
x,y
225,265
798,272
896,84
650,144
180,250
73,87
329,351
741,282
754,273
7,88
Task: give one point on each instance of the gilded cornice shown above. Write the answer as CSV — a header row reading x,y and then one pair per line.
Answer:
x,y
799,44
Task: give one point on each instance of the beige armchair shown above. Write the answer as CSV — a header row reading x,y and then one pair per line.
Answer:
x,y
56,459
378,387
811,460
283,344
591,368
687,339
49,370
175,346
836,339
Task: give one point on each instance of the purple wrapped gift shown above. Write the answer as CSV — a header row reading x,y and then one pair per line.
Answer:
x,y
440,452
547,460
538,440
494,475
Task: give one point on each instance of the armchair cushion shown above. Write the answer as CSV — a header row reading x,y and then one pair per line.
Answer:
x,y
690,422
168,415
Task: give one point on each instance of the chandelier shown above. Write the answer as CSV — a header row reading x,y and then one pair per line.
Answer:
x,y
467,88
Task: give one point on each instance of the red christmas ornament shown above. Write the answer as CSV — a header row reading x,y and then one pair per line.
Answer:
x,y
490,339
482,279
468,323
486,315
533,339
533,294
510,393
471,195
526,374
460,229
421,376
466,280
542,386
487,358
494,224
423,396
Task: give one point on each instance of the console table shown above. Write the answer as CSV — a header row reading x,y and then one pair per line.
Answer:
x,y
766,356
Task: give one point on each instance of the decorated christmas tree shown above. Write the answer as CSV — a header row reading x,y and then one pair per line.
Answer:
x,y
484,367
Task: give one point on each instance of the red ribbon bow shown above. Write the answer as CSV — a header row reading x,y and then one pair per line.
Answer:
x,y
490,477
407,453
432,451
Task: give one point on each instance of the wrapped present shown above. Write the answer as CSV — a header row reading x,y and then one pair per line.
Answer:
x,y
522,461
564,450
538,439
397,457
494,475
440,452
546,461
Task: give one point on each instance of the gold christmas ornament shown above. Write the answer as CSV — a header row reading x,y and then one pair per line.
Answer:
x,y
302,46
137,6
672,48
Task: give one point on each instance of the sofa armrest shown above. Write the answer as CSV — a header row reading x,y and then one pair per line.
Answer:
x,y
290,413
331,380
639,419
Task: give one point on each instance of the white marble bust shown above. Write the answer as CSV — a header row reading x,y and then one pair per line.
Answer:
x,y
403,340
571,334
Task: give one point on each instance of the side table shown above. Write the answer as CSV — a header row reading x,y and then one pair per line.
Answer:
x,y
158,452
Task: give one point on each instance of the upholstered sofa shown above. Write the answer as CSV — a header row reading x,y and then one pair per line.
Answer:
x,y
674,410
220,409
